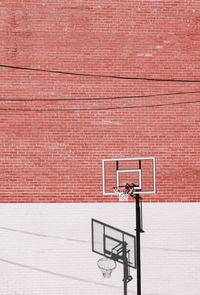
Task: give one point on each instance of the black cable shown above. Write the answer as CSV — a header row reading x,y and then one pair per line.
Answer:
x,y
101,109
97,76
98,98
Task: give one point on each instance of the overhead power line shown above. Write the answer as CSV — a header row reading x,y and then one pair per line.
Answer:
x,y
98,75
97,98
102,109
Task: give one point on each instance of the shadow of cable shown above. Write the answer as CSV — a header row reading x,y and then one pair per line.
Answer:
x,y
70,277
59,274
43,235
86,241
172,250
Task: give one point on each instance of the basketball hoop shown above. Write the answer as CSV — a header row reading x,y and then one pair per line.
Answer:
x,y
122,195
124,192
106,266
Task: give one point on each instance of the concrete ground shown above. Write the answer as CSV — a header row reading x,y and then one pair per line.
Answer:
x,y
46,249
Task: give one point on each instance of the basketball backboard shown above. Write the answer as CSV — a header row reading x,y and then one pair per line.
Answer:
x,y
140,171
107,240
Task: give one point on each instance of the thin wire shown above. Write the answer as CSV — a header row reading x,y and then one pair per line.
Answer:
x,y
101,109
97,76
98,98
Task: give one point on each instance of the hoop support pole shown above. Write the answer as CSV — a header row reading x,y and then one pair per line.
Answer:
x,y
138,231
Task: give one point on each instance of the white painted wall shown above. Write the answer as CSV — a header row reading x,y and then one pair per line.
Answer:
x,y
46,249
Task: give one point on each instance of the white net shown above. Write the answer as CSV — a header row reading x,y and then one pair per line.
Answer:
x,y
122,194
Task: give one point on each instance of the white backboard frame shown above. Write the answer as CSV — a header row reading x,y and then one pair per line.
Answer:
x,y
139,171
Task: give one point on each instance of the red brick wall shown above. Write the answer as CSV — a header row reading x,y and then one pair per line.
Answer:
x,y
56,156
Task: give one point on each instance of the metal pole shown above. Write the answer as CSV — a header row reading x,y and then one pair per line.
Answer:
x,y
138,230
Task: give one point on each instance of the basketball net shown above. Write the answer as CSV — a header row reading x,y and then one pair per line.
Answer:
x,y
124,192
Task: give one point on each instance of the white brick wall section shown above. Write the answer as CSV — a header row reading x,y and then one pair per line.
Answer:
x,y
46,249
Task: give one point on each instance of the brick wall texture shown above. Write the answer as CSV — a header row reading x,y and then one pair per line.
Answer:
x,y
52,151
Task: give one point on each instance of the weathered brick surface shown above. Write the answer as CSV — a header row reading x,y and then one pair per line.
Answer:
x,y
56,156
